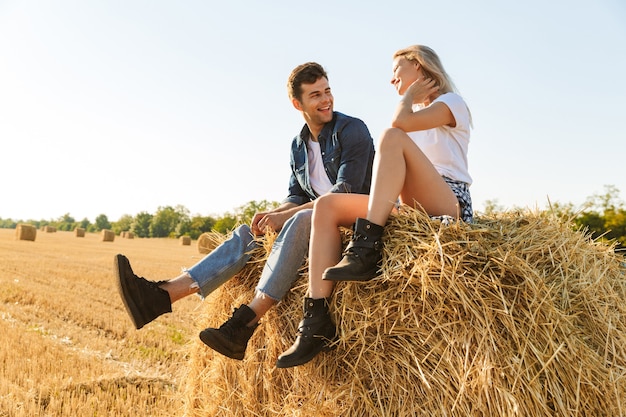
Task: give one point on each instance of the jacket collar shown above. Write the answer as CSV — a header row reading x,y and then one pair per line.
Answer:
x,y
326,132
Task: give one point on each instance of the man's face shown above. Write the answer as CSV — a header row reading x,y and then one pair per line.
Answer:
x,y
317,103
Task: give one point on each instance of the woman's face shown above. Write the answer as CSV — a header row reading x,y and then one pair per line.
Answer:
x,y
405,73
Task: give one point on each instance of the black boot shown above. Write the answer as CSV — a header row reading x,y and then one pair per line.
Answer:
x,y
144,300
315,333
361,259
231,339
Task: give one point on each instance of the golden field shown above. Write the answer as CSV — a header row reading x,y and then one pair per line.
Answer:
x,y
514,315
68,346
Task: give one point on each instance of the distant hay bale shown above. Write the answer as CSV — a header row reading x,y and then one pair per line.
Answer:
x,y
514,315
123,234
129,235
208,241
25,232
108,235
49,229
185,240
79,232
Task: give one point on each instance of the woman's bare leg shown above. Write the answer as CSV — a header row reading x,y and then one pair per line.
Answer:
x,y
331,211
402,170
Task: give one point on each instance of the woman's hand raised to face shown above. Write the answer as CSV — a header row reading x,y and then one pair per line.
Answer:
x,y
421,90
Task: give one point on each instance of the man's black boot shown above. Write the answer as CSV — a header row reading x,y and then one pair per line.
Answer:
x,y
144,300
316,332
361,259
231,339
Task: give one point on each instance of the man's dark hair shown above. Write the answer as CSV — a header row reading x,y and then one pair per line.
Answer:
x,y
307,73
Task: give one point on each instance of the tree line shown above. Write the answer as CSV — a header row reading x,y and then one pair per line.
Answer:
x,y
166,222
602,215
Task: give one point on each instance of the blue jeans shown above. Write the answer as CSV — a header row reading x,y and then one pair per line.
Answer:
x,y
281,268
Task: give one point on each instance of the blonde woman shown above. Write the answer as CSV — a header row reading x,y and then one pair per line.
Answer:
x,y
420,161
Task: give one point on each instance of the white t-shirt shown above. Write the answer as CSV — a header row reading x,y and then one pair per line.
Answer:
x,y
317,174
445,146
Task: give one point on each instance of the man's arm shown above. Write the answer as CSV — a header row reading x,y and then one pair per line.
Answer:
x,y
276,218
357,152
296,195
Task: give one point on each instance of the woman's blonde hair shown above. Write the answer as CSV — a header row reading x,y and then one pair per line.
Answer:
x,y
431,66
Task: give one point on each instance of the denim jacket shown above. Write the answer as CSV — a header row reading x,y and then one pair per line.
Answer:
x,y
347,153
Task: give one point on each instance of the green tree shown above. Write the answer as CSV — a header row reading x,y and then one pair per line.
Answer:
x,y
242,215
141,224
199,225
615,224
226,223
8,223
592,222
102,222
605,202
246,212
123,224
165,221
604,216
492,206
65,222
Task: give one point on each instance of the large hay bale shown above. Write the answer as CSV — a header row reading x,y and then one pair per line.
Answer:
x,y
25,232
185,240
108,235
79,232
514,315
208,241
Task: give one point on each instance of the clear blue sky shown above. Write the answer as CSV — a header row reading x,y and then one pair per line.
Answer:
x,y
118,107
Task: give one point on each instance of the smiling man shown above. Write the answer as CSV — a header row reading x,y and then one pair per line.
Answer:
x,y
333,153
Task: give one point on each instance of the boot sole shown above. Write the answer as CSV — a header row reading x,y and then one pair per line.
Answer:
x,y
360,278
122,286
303,360
326,347
206,336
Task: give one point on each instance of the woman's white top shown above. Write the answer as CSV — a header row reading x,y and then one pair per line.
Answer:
x,y
445,146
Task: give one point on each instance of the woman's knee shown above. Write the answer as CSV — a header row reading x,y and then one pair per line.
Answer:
x,y
391,137
329,209
326,205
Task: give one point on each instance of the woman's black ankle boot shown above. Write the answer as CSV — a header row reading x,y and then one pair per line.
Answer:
x,y
361,259
316,332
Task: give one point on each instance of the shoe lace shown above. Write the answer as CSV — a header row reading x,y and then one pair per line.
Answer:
x,y
232,326
304,331
350,252
152,285
228,328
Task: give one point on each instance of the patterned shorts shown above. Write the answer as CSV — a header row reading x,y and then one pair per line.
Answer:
x,y
462,193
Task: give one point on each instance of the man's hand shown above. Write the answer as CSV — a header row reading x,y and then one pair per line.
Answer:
x,y
268,221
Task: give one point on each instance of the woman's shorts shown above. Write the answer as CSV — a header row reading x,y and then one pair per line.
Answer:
x,y
462,193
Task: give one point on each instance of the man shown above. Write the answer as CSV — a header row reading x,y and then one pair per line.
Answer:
x,y
333,153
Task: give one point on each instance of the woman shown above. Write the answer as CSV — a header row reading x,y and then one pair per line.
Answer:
x,y
421,160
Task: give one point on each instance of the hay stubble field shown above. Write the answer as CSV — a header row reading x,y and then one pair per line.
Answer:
x,y
515,315
68,347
